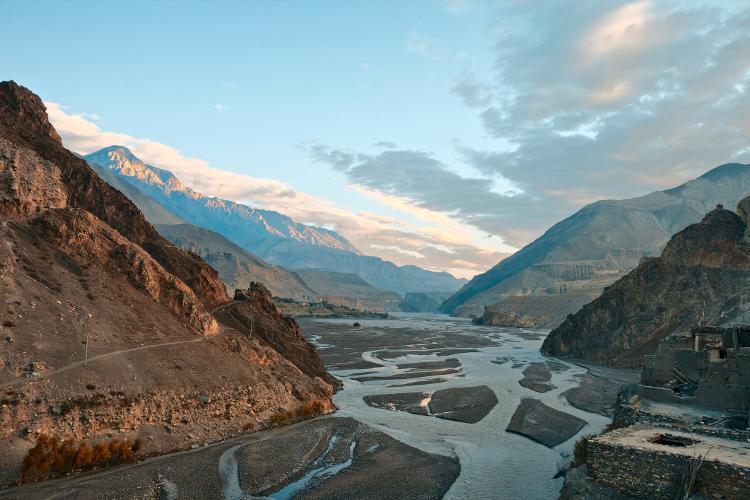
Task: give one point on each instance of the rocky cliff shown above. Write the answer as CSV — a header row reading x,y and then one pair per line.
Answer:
x,y
576,258
702,273
254,314
108,329
45,174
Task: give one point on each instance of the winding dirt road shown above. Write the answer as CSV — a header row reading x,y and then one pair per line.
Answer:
x,y
76,364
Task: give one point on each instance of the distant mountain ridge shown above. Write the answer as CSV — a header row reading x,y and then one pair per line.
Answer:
x,y
346,289
237,267
172,194
575,259
274,237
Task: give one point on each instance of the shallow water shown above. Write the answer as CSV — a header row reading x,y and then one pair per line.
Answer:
x,y
494,463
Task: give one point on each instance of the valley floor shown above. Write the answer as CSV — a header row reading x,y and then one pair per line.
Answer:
x,y
425,394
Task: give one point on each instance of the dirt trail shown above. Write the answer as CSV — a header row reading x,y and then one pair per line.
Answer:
x,y
113,353
223,306
96,358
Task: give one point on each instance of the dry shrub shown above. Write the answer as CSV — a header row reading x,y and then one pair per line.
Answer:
x,y
282,417
84,458
101,453
51,457
311,409
302,412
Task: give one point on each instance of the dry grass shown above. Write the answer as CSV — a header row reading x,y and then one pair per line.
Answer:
x,y
52,457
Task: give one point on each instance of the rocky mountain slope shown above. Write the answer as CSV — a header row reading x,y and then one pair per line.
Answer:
x,y
109,330
274,237
574,260
704,271
236,266
152,211
348,290
246,226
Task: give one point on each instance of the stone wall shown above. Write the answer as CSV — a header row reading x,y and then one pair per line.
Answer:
x,y
726,385
660,475
657,368
626,415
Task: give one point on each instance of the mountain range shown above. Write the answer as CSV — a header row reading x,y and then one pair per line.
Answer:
x,y
346,289
272,236
236,266
572,262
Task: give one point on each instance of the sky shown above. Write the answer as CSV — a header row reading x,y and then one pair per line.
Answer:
x,y
441,133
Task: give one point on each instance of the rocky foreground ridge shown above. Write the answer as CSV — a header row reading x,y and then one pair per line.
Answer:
x,y
110,331
702,274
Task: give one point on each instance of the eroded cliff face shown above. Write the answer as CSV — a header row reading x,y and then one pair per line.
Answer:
x,y
80,235
704,270
107,330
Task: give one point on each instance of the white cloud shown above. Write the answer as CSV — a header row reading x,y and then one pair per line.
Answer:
x,y
609,100
434,244
219,107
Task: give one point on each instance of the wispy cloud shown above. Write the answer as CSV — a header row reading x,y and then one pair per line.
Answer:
x,y
219,107
472,92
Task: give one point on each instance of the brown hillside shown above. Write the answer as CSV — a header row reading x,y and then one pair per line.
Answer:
x,y
107,330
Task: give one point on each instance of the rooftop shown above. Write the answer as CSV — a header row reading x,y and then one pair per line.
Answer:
x,y
646,437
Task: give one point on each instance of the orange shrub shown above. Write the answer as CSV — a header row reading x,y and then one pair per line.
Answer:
x,y
50,457
101,453
84,458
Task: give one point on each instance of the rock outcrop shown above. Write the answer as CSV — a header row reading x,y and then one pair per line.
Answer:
x,y
254,314
108,329
702,274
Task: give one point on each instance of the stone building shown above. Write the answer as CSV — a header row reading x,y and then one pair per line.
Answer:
x,y
646,461
709,367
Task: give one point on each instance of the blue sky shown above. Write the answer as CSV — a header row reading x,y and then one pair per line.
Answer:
x,y
503,117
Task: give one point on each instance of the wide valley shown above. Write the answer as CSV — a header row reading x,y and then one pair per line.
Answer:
x,y
471,411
